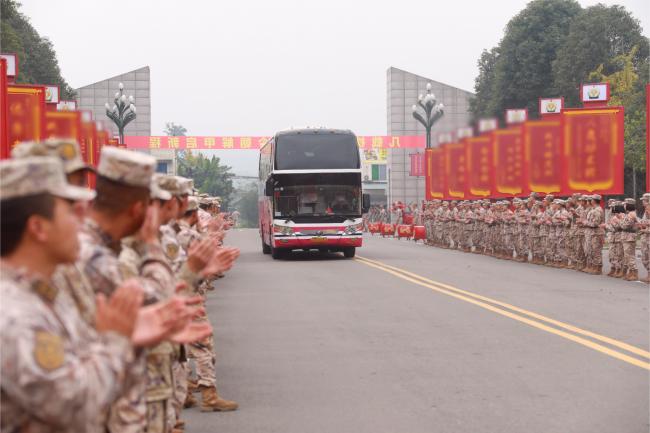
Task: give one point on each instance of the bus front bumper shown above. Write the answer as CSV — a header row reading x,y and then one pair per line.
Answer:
x,y
298,242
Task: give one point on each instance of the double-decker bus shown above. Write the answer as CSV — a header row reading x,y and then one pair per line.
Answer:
x,y
310,193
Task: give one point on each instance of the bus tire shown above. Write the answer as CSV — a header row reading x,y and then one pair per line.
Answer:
x,y
349,252
277,253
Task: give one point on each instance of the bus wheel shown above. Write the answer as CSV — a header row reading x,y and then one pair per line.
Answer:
x,y
266,249
349,252
277,253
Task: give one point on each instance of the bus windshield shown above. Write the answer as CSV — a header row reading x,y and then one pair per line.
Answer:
x,y
316,151
316,200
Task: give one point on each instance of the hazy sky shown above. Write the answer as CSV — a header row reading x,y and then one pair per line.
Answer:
x,y
251,67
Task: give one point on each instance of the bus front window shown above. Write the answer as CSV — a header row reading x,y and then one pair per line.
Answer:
x,y
314,200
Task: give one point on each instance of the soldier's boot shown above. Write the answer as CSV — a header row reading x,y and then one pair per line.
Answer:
x,y
646,279
612,271
598,270
180,425
211,402
192,386
632,275
620,272
190,401
566,265
571,266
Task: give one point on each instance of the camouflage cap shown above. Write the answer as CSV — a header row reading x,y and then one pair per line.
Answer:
x,y
646,196
169,183
37,175
187,185
67,150
156,191
596,197
126,166
549,197
192,204
630,201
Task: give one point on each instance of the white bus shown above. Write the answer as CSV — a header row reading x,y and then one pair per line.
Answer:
x,y
310,193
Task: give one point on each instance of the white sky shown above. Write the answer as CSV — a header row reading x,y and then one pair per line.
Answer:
x,y
251,67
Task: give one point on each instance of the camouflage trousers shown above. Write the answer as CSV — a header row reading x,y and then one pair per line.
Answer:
x,y
616,252
129,412
628,241
157,417
180,372
645,250
579,247
595,247
203,355
560,244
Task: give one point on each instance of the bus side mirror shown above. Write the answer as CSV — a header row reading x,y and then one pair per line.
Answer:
x,y
268,187
365,204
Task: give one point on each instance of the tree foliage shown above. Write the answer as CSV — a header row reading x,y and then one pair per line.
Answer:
x,y
36,56
247,206
174,130
551,47
209,175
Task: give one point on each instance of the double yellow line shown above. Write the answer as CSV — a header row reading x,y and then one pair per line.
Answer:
x,y
564,330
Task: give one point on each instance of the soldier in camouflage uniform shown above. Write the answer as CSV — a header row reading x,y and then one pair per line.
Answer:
x,y
629,229
613,238
644,229
595,236
58,373
579,239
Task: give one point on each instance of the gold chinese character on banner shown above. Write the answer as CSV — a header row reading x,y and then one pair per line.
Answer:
x,y
173,142
190,143
154,142
394,142
377,142
228,142
209,142
245,142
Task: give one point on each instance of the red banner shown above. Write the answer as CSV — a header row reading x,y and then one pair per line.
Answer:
x,y
480,170
543,155
4,137
247,143
417,165
456,170
508,148
26,109
435,173
63,124
593,146
88,142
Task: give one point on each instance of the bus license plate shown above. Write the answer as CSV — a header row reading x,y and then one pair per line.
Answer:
x,y
319,239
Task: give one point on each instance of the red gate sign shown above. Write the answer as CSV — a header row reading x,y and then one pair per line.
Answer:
x,y
593,146
480,173
4,138
543,155
88,142
508,162
26,113
436,187
63,124
417,164
456,170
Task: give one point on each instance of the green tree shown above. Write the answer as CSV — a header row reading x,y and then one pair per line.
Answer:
x,y
517,72
209,175
246,204
598,35
174,130
36,56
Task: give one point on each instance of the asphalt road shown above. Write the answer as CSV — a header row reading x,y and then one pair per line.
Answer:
x,y
462,343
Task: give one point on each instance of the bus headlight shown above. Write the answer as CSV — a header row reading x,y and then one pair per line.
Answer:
x,y
282,230
354,228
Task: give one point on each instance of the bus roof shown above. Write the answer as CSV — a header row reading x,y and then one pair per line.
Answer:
x,y
298,131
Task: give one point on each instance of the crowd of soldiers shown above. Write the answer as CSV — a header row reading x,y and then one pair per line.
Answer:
x,y
554,232
547,231
103,292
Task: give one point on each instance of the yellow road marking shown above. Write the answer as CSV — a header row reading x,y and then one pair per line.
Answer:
x,y
474,299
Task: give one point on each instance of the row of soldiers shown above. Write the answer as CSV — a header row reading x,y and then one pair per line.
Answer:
x,y
103,292
554,232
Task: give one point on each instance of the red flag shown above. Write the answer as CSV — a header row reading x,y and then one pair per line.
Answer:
x,y
456,170
509,165
4,137
480,170
63,124
593,145
436,176
543,155
89,142
26,109
417,164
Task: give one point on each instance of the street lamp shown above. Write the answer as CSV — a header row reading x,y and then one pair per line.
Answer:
x,y
432,112
122,112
